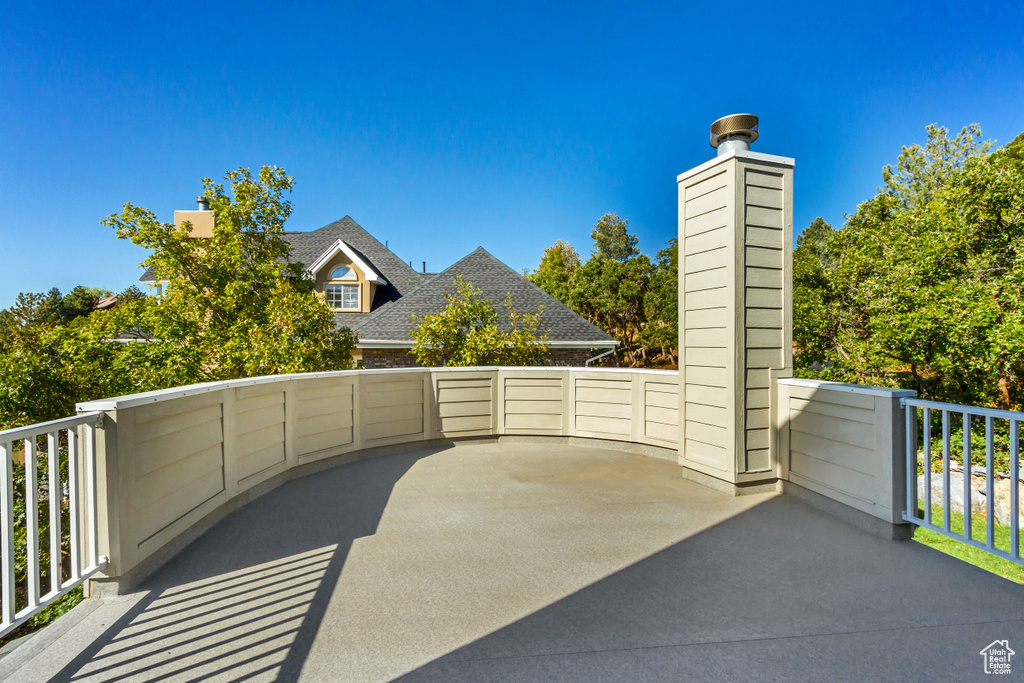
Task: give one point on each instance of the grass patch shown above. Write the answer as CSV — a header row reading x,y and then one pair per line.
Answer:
x,y
46,616
969,554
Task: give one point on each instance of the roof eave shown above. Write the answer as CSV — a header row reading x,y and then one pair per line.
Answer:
x,y
558,344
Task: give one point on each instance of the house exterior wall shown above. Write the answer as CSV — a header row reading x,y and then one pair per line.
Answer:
x,y
366,289
735,321
202,222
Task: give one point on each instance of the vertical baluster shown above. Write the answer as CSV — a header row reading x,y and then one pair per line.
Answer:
x,y
7,531
967,475
1015,489
911,451
990,484
947,509
74,530
926,427
90,484
31,522
55,494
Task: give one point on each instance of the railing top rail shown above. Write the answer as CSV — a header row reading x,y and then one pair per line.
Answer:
x,y
133,400
970,410
29,431
849,388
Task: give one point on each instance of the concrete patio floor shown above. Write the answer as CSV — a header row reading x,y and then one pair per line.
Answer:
x,y
515,561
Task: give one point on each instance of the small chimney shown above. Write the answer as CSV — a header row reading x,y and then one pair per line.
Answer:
x,y
735,131
424,266
204,203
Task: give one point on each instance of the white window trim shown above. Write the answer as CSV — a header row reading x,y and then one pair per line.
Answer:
x,y
343,284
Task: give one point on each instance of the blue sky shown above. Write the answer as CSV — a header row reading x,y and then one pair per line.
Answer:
x,y
443,126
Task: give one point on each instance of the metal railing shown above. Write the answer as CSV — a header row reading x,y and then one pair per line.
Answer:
x,y
969,418
75,437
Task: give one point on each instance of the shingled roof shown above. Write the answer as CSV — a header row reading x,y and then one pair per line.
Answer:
x,y
495,279
308,246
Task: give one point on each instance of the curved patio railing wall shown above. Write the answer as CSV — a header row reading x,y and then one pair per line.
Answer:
x,y
168,459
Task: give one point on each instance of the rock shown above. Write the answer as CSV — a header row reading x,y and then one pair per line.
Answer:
x,y
1002,502
956,491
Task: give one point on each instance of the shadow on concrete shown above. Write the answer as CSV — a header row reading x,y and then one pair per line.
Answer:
x,y
779,592
247,597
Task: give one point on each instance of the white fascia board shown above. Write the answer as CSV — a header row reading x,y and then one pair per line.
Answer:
x,y
384,344
848,388
339,245
740,154
407,344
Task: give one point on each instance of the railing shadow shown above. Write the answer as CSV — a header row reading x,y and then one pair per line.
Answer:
x,y
247,598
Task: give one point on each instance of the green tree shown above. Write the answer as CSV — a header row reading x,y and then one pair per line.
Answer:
x,y
556,270
79,302
923,287
231,308
619,289
661,304
468,332
813,302
612,240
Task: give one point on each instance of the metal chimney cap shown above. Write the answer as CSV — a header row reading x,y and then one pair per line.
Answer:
x,y
204,203
734,126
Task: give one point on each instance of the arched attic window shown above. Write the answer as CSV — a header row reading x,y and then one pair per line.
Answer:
x,y
343,273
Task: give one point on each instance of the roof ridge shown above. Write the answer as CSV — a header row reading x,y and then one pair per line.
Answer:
x,y
370,235
555,307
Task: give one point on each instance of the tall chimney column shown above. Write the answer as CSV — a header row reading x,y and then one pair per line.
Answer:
x,y
735,306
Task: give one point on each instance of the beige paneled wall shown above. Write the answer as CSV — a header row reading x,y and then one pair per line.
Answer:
x,y
533,403
661,411
603,405
170,458
393,406
707,285
465,403
178,461
845,442
325,419
735,230
259,429
767,329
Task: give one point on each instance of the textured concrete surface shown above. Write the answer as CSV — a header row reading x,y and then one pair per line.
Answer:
x,y
533,562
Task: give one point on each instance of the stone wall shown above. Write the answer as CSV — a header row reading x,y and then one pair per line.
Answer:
x,y
401,358
569,357
388,358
